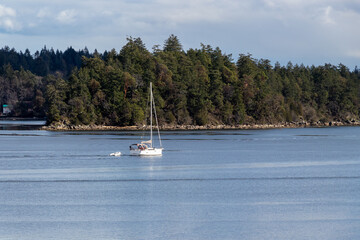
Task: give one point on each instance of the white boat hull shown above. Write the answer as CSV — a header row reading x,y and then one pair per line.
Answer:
x,y
146,152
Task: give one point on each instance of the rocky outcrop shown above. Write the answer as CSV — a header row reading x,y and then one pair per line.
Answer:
x,y
62,126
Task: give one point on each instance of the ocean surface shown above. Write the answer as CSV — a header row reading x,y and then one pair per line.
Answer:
x,y
244,184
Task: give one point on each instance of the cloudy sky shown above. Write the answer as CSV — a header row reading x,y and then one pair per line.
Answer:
x,y
300,31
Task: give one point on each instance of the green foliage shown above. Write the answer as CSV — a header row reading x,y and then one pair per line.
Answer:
x,y
199,86
56,91
172,44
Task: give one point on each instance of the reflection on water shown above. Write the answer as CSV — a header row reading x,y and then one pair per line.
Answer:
x,y
21,124
253,184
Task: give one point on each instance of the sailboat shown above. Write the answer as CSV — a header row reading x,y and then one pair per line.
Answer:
x,y
146,148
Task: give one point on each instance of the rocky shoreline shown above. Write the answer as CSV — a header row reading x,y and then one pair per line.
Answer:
x,y
65,127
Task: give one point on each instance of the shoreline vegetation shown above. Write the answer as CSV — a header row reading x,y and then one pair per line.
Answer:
x,y
167,127
200,88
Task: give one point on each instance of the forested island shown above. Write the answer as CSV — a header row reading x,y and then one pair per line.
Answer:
x,y
197,87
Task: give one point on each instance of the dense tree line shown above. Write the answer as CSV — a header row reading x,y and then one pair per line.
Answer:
x,y
44,62
197,86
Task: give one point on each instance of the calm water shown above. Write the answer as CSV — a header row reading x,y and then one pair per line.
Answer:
x,y
254,184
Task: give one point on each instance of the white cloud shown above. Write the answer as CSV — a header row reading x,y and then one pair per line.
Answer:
x,y
66,16
44,12
107,13
354,53
8,19
296,30
327,19
189,11
8,24
7,12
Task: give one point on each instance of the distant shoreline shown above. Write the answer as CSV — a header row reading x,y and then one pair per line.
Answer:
x,y
63,127
6,118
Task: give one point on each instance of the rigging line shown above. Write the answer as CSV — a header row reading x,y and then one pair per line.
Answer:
x,y
157,124
151,117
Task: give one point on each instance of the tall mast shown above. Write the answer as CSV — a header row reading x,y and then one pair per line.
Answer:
x,y
157,123
151,105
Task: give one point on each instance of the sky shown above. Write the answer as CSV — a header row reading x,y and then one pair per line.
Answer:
x,y
309,32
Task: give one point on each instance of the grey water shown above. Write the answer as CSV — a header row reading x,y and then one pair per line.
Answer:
x,y
243,184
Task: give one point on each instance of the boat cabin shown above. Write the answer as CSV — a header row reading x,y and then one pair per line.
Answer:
x,y
139,146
